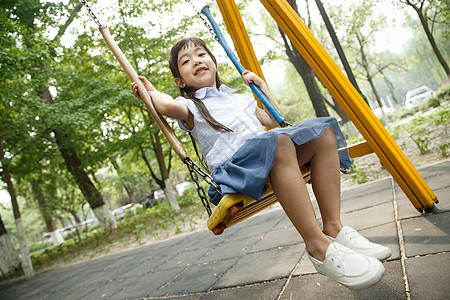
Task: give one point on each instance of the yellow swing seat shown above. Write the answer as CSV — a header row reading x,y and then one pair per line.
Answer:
x,y
234,208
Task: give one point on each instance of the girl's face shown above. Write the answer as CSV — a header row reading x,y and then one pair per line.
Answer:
x,y
197,68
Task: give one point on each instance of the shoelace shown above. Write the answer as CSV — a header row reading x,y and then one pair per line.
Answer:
x,y
353,235
340,256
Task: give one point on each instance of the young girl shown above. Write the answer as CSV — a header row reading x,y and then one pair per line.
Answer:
x,y
241,155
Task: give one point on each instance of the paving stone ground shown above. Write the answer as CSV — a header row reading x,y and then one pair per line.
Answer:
x,y
264,257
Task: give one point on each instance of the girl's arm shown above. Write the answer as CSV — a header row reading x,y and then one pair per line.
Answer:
x,y
263,116
164,103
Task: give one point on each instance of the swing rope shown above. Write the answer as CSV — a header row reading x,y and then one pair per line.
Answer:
x,y
91,13
193,168
205,22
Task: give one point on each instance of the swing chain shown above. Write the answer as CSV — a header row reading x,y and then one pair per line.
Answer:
x,y
91,13
200,15
194,171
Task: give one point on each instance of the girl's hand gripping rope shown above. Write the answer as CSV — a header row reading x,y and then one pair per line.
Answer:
x,y
264,116
250,77
148,86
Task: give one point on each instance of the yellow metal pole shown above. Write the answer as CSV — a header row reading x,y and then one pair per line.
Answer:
x,y
395,161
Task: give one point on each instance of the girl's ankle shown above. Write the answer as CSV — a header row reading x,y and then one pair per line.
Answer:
x,y
318,251
333,230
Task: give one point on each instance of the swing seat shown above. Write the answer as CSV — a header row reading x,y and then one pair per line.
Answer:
x,y
234,208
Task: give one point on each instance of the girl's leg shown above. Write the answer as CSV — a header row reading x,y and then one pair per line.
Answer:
x,y
294,198
325,178
324,159
331,259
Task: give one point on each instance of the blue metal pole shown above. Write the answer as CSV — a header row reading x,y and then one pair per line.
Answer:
x,y
261,96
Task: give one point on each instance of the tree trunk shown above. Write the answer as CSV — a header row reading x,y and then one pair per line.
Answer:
x,y
75,216
366,67
9,258
57,238
424,21
306,72
164,182
168,190
391,88
171,195
128,189
46,214
105,218
27,266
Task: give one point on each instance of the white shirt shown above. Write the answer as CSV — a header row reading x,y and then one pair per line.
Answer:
x,y
235,111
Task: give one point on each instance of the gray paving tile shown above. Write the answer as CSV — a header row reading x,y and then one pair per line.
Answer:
x,y
426,234
439,184
406,208
197,278
367,195
263,291
305,266
318,287
144,286
233,247
284,220
183,258
386,235
369,217
439,168
428,276
366,189
145,267
278,238
262,266
98,291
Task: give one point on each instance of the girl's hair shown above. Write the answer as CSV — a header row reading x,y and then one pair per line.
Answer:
x,y
187,91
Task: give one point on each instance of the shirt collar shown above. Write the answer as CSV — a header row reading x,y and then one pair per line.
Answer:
x,y
201,93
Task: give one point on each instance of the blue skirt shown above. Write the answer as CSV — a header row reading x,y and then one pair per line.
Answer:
x,y
247,170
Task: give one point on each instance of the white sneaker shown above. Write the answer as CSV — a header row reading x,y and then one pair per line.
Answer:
x,y
350,238
349,268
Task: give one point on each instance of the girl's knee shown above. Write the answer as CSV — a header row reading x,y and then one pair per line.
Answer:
x,y
285,148
328,137
284,142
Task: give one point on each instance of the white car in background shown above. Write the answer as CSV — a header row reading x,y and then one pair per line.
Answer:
x,y
416,97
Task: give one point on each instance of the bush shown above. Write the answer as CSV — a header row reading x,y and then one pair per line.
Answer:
x,y
37,247
443,94
433,102
190,196
442,116
405,112
443,149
